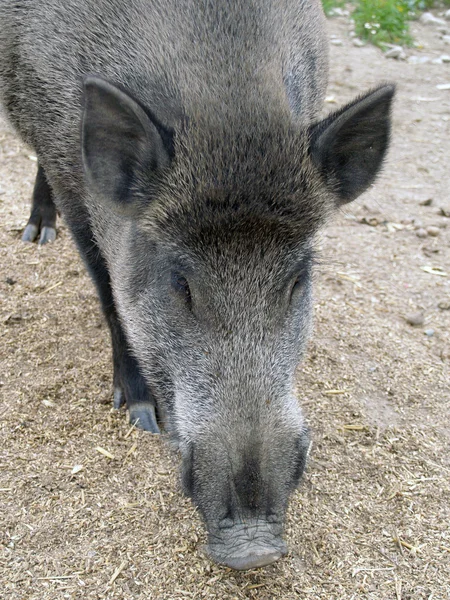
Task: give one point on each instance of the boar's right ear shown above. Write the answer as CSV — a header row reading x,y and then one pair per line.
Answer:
x,y
121,145
349,146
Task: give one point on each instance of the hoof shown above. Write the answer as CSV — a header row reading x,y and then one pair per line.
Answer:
x,y
30,233
48,234
119,398
143,416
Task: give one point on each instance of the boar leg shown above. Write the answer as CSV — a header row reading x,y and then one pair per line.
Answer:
x,y
43,212
129,385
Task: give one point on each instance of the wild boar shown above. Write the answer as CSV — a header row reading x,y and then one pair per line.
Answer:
x,y
181,142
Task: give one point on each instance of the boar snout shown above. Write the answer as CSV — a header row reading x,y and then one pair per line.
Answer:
x,y
246,544
242,488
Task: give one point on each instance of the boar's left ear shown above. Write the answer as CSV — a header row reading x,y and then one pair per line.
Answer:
x,y
122,146
350,144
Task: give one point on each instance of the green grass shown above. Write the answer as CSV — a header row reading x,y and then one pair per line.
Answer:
x,y
330,4
383,21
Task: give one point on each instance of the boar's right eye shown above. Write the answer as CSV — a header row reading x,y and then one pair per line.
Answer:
x,y
181,286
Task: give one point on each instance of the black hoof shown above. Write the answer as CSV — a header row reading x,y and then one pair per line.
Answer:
x,y
143,416
30,233
48,234
119,398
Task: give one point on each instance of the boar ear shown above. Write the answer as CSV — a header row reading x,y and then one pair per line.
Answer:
x,y
350,144
122,145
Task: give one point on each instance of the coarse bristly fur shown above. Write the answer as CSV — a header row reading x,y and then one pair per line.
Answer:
x,y
179,140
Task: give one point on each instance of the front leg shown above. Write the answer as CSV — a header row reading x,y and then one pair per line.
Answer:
x,y
130,387
42,221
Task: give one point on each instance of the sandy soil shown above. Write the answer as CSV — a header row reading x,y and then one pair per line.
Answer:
x,y
372,516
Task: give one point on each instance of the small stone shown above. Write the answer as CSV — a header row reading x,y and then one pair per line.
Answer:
x,y
418,224
338,12
444,305
358,42
447,14
427,202
429,332
395,52
336,42
10,281
428,18
415,319
433,231
421,233
418,60
444,212
446,39
445,58
437,61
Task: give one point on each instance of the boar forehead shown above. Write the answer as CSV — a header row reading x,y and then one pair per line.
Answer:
x,y
235,171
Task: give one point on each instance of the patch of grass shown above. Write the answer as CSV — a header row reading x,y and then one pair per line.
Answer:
x,y
383,21
328,5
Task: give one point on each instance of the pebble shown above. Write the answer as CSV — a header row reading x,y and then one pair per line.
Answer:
x,y
427,202
421,233
358,42
445,58
447,15
428,18
444,305
338,12
433,231
418,60
429,332
395,52
415,319
336,42
446,39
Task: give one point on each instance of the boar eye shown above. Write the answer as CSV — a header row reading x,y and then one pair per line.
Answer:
x,y
297,286
181,286
299,283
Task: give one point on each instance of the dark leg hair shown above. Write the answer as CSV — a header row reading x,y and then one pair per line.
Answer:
x,y
129,385
43,212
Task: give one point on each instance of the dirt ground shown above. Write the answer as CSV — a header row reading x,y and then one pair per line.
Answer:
x,y
372,517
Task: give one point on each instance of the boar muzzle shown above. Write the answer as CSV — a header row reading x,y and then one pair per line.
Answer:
x,y
246,544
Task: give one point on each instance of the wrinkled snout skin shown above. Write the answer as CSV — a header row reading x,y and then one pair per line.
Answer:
x,y
248,544
181,142
245,500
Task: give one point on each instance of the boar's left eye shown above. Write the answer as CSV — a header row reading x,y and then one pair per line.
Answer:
x,y
298,285
181,286
301,281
